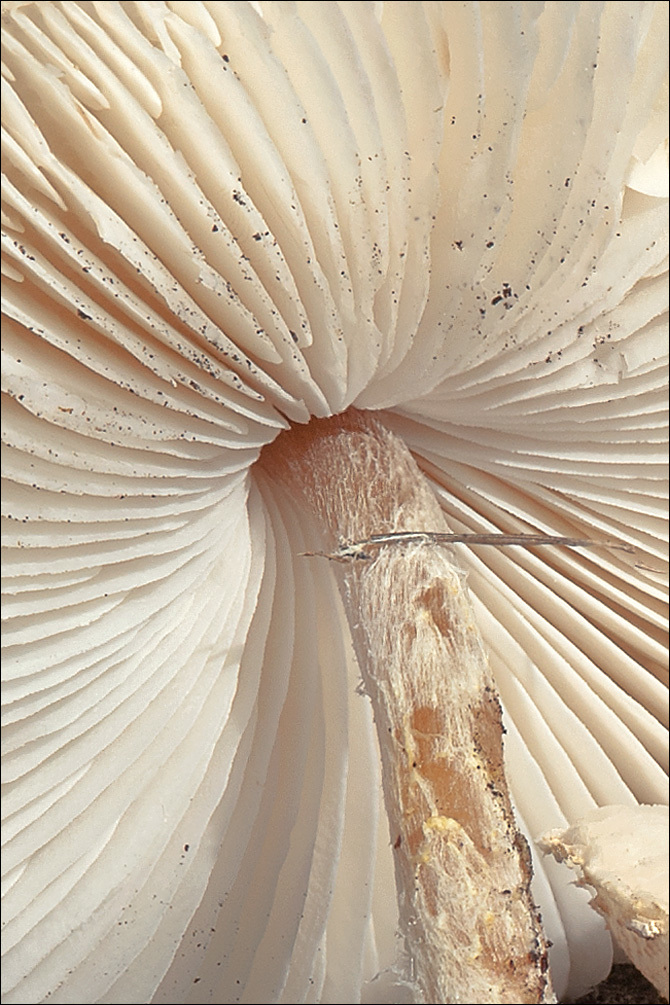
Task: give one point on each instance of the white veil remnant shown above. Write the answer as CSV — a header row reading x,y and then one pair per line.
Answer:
x,y
223,221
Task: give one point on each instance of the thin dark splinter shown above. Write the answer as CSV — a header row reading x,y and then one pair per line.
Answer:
x,y
359,549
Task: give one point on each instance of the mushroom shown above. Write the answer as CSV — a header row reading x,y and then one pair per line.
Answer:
x,y
621,853
221,221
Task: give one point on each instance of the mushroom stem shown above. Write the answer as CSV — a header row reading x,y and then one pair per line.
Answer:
x,y
463,869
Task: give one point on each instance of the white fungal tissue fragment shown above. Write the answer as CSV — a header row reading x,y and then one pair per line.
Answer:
x,y
621,852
